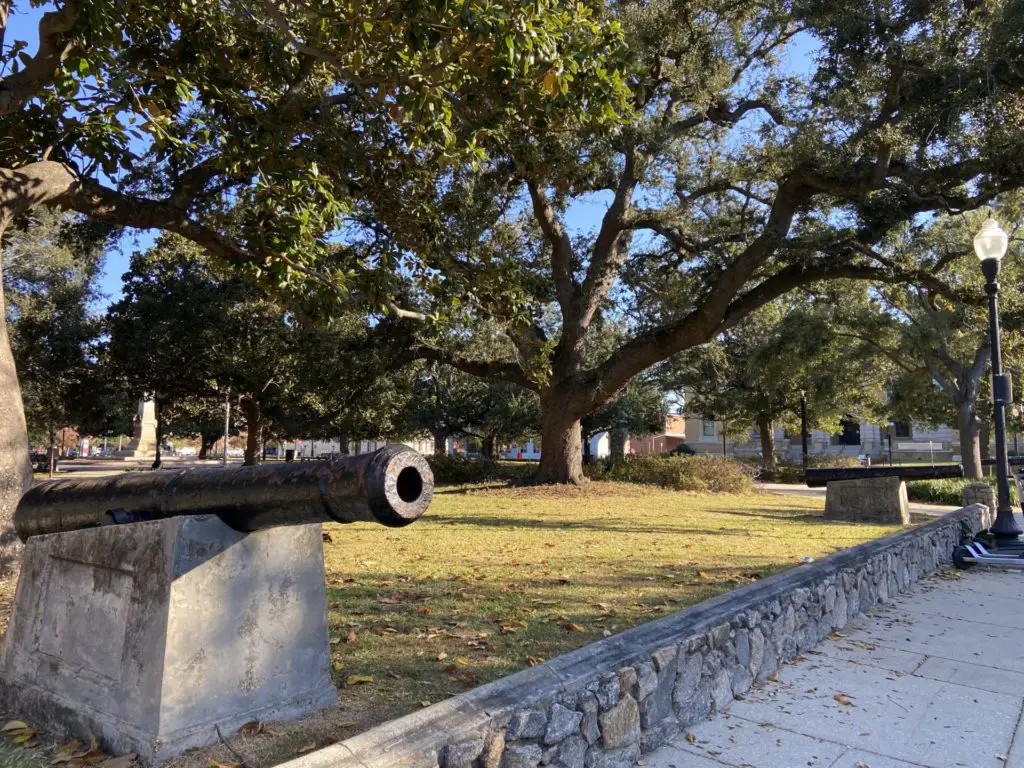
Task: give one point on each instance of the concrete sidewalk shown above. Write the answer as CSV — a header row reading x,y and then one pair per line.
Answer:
x,y
935,678
786,489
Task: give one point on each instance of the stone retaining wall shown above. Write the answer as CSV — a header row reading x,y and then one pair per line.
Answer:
x,y
607,703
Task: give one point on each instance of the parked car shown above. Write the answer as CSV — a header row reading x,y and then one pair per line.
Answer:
x,y
186,450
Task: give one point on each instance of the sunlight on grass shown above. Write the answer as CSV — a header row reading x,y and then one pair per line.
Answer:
x,y
493,580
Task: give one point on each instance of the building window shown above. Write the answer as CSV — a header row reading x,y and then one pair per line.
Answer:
x,y
902,429
708,428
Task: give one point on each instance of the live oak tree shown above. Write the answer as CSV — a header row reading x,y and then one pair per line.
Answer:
x,y
752,374
159,114
936,346
737,182
50,272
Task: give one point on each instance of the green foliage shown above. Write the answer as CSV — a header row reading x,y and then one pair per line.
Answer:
x,y
460,470
947,490
49,273
701,474
753,374
682,450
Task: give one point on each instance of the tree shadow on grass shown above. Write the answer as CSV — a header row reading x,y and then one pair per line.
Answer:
x,y
498,521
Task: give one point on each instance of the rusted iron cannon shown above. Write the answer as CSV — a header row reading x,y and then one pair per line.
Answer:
x,y
392,486
818,477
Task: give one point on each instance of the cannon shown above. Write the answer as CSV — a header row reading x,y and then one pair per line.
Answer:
x,y
815,478
392,486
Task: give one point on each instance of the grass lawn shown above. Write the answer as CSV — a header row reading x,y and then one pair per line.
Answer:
x,y
494,579
490,581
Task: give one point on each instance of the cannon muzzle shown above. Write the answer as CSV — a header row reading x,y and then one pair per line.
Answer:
x,y
392,486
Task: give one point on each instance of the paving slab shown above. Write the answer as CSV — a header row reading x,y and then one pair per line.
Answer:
x,y
935,678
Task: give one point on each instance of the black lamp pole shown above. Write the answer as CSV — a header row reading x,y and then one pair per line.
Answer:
x,y
803,427
1005,527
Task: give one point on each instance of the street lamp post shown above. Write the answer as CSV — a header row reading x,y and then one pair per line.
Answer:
x,y
803,427
990,245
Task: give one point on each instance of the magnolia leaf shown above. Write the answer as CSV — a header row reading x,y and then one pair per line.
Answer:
x,y
358,680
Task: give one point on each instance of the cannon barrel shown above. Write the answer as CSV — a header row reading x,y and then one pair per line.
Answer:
x,y
392,486
818,477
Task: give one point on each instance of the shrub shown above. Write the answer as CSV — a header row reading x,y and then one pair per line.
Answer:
x,y
682,450
948,490
706,474
459,470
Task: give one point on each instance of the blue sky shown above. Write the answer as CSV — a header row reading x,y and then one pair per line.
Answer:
x,y
584,214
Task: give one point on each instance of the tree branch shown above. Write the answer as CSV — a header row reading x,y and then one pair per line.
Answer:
x,y
54,45
561,247
484,369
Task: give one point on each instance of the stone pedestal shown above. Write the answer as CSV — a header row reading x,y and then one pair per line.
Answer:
x,y
881,500
151,634
143,444
981,493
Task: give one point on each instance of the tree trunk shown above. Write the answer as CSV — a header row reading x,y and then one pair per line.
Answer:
x,y
617,439
588,453
15,467
985,438
253,427
51,452
766,428
440,443
970,441
343,447
561,448
159,432
489,446
206,443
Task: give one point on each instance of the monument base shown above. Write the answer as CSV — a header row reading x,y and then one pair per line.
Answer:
x,y
150,636
881,500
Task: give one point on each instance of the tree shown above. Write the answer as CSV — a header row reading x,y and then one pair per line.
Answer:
x,y
737,183
50,271
201,416
937,345
753,374
165,332
638,410
164,115
444,403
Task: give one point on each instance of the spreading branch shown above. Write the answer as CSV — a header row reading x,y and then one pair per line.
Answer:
x,y
55,43
506,371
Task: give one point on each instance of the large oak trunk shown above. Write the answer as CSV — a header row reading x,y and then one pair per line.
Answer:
x,y
561,448
15,468
970,441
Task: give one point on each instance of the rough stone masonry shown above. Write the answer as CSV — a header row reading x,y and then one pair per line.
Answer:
x,y
608,703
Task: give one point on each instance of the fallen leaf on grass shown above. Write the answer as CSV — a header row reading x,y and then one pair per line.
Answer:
x,y
328,538
571,627
305,749
533,661
424,703
442,656
358,680
14,725
352,637
691,738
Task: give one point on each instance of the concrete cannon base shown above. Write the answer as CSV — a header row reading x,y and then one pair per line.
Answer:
x,y
881,500
150,635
